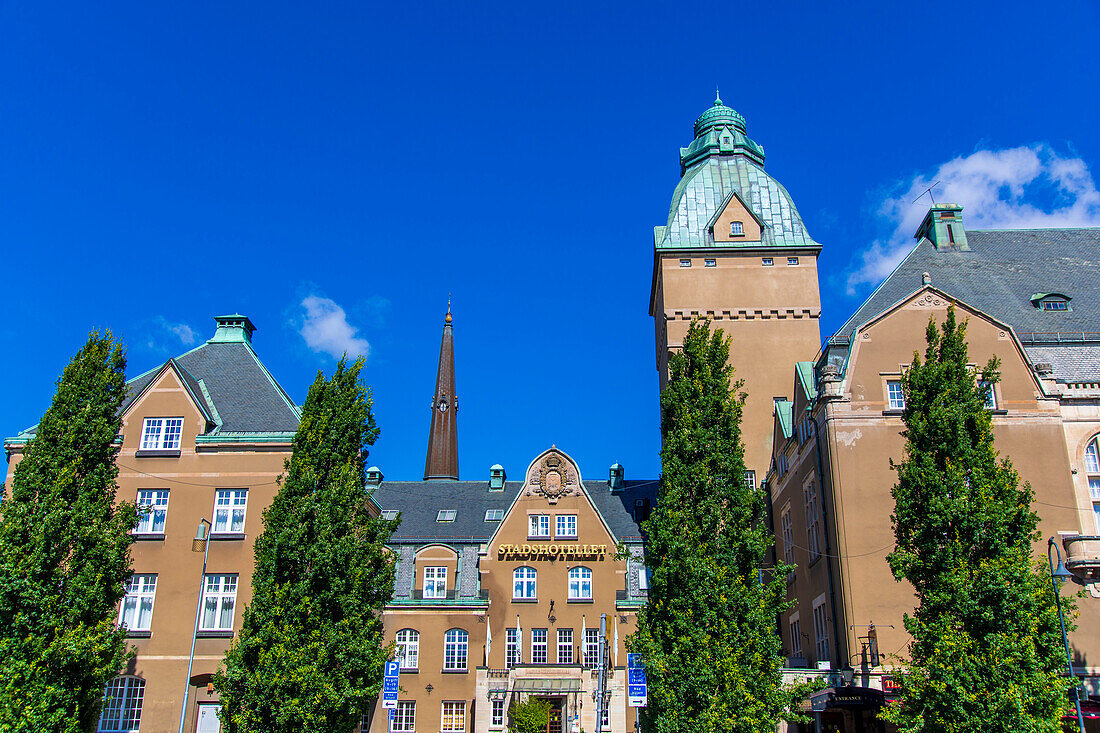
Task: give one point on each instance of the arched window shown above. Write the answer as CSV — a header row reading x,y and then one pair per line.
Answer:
x,y
1092,468
737,229
580,584
523,583
122,705
456,644
408,648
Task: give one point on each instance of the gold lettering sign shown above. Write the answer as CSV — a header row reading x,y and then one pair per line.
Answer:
x,y
550,552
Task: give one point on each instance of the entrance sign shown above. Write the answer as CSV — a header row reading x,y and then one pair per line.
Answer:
x,y
636,687
551,551
389,685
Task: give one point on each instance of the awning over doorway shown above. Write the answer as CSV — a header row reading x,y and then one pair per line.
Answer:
x,y
845,697
558,686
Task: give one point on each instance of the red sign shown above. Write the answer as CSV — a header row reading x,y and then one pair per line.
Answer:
x,y
890,687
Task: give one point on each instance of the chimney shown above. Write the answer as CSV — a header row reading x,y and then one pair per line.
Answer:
x,y
943,227
233,329
616,475
374,476
497,477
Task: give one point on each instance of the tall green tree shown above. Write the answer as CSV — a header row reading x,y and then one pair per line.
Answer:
x,y
64,554
708,634
986,651
309,655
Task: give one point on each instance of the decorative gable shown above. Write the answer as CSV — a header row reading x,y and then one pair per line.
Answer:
x,y
736,222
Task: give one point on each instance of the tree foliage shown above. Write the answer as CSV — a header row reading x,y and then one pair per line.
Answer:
x,y
309,655
708,634
530,716
986,652
64,554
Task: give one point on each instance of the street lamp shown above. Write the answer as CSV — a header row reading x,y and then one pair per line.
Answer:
x,y
1060,574
201,543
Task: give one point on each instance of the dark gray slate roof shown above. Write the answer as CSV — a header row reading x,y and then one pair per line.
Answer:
x,y
420,502
999,275
1074,363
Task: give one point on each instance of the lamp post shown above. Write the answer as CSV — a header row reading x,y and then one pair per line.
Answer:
x,y
1057,574
201,543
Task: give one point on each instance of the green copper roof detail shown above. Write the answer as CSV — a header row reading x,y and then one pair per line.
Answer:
x,y
719,115
783,410
805,371
233,328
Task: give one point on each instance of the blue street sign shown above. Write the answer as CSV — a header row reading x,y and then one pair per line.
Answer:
x,y
636,686
390,685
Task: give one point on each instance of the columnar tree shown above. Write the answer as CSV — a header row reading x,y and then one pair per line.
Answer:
x,y
708,633
309,655
986,652
64,554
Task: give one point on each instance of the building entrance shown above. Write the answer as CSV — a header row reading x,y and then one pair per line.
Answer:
x,y
554,723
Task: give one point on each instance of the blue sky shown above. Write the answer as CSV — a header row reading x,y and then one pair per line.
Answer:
x,y
336,170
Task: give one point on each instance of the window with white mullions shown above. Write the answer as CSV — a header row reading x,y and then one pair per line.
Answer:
x,y
788,538
565,646
122,700
161,433
1092,468
408,648
566,526
136,610
538,646
496,718
591,647
435,582
454,717
229,510
524,585
895,395
813,520
152,506
404,717
219,599
455,647
580,584
538,525
512,653
821,630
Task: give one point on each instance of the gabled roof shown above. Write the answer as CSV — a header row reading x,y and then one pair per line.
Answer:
x,y
784,416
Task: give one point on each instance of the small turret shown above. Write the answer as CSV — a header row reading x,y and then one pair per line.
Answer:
x,y
943,227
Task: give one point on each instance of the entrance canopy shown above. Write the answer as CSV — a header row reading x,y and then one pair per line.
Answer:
x,y
558,686
844,697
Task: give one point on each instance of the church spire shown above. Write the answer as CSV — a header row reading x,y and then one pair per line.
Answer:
x,y
442,460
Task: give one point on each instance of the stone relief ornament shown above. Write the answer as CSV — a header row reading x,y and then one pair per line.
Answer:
x,y
552,477
930,300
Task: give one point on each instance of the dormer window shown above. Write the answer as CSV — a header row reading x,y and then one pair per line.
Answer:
x,y
1051,301
737,229
494,515
446,515
389,514
1055,305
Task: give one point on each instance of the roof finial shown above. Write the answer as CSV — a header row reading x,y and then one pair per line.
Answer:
x,y
717,99
447,318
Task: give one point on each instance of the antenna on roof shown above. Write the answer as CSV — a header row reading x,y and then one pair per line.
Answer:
x,y
928,192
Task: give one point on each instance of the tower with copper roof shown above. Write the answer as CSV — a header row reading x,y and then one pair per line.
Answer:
x,y
442,460
734,249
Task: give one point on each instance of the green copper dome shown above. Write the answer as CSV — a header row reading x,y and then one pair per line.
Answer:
x,y
719,115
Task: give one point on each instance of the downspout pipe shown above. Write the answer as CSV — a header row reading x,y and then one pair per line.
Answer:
x,y
825,493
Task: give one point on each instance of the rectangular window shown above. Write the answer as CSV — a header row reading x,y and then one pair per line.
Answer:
x,y
991,396
136,612
813,538
792,260
446,515
496,718
685,262
390,514
1096,515
750,479
565,646
404,717
152,505
454,717
737,229
512,655
435,582
538,646
219,598
591,647
821,630
229,508
539,525
161,433
710,262
605,718
494,515
566,526
795,627
788,538
766,261
895,394
1055,305
122,700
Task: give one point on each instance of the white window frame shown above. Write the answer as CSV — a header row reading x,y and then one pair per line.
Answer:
x,y
895,395
525,583
456,648
750,479
685,262
737,228
455,720
787,525
821,630
580,583
122,701
710,262
991,398
538,526
496,712
565,642
513,649
404,717
446,515
540,646
494,515
157,513
161,433
767,261
591,650
230,511
1092,472
135,612
407,649
569,521
792,261
435,581
813,519
794,626
219,592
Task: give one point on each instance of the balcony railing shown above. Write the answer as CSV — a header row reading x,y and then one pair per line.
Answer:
x,y
450,598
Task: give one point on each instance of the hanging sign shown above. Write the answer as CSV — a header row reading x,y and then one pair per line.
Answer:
x,y
636,687
389,685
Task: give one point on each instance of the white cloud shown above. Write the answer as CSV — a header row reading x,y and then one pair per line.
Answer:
x,y
185,333
326,329
1026,186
